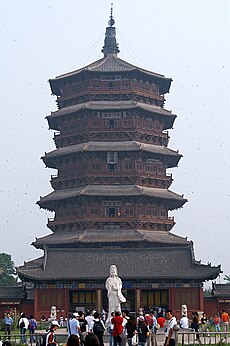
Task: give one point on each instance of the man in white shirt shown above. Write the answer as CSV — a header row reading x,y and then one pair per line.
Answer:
x,y
89,318
169,331
184,322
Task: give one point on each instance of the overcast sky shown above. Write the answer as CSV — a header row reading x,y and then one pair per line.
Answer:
x,y
188,41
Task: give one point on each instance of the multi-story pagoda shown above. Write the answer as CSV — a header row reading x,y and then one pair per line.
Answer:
x,y
111,197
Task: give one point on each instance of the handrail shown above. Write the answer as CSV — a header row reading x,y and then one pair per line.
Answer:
x,y
182,337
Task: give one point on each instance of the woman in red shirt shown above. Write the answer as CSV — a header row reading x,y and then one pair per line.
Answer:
x,y
117,321
161,321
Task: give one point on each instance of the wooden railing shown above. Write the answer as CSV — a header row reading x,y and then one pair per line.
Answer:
x,y
113,219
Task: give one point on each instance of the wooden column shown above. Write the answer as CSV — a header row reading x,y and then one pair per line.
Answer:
x,y
201,298
138,298
171,298
66,302
36,304
99,303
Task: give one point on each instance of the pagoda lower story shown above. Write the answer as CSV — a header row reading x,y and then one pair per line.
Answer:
x,y
158,271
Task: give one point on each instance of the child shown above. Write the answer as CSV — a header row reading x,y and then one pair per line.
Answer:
x,y
216,322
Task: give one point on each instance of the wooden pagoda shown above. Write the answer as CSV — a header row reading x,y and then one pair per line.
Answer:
x,y
111,196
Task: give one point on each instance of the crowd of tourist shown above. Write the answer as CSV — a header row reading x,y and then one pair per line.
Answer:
x,y
88,329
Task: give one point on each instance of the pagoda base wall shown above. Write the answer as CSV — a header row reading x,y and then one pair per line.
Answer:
x,y
76,297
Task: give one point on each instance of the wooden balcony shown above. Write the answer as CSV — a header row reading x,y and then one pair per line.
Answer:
x,y
52,222
113,91
104,128
118,177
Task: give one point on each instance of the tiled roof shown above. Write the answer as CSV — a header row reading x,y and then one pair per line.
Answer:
x,y
112,63
156,263
108,64
110,105
113,146
110,236
14,293
221,290
112,191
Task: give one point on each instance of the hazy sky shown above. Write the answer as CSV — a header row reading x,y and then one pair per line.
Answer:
x,y
188,41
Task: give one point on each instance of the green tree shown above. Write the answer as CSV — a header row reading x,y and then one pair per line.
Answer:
x,y
227,278
7,270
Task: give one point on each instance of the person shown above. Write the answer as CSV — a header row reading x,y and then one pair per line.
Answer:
x,y
204,322
161,321
195,324
143,331
216,321
61,321
50,336
225,320
117,321
153,327
73,340
98,328
23,324
89,319
73,325
184,322
126,317
91,340
110,329
6,343
8,320
103,315
114,285
131,329
169,332
43,318
32,326
83,325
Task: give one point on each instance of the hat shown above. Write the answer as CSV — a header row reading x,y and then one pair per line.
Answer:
x,y
141,318
75,314
55,323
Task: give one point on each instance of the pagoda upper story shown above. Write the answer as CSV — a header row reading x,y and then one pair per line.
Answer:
x,y
110,78
111,150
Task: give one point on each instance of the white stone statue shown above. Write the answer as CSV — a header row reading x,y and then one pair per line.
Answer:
x,y
184,310
53,313
114,285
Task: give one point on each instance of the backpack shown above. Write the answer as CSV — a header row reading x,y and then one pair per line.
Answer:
x,y
98,329
22,324
32,324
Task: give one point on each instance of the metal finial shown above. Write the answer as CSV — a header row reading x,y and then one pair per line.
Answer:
x,y
111,16
111,21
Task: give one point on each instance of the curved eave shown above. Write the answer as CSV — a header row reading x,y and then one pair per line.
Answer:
x,y
104,237
165,264
174,200
163,83
111,105
170,157
25,276
111,65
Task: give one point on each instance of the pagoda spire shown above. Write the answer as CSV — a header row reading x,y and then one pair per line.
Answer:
x,y
110,43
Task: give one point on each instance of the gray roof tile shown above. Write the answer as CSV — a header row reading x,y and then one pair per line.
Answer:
x,y
221,290
109,235
172,156
157,263
110,105
113,191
